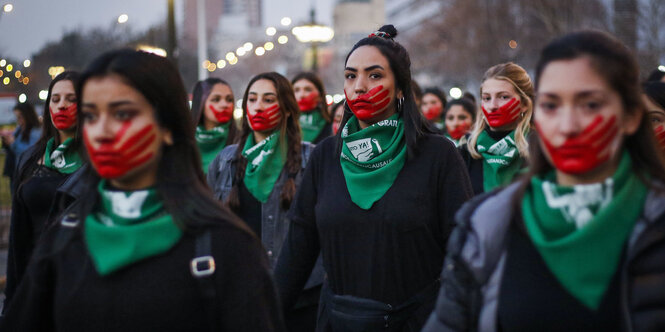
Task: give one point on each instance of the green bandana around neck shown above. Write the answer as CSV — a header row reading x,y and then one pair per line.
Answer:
x,y
372,158
128,227
580,231
501,159
65,159
265,161
457,143
210,142
312,124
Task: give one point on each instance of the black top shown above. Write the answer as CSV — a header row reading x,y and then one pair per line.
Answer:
x,y
387,253
250,209
30,211
325,133
63,292
532,299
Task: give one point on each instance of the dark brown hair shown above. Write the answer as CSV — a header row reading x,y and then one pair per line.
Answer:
x,y
616,64
314,79
289,128
29,118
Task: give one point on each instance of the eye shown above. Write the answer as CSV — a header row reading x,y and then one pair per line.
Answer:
x,y
88,117
124,115
251,100
375,75
547,106
486,99
229,99
655,119
269,100
349,76
55,99
71,99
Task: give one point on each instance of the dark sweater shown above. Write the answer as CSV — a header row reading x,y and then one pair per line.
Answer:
x,y
387,253
63,292
325,133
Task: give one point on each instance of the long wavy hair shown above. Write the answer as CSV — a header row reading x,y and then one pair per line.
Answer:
x,y
200,94
181,183
520,80
289,129
415,125
614,62
49,130
316,80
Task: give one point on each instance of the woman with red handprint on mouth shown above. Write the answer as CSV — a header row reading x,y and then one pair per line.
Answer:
x,y
212,113
145,247
376,201
459,116
497,148
40,171
315,119
433,103
577,243
258,177
654,99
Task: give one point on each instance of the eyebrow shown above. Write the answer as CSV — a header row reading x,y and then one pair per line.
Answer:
x,y
112,104
366,69
265,94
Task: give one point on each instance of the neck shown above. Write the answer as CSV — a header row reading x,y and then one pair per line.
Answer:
x,y
596,175
63,135
208,125
260,136
386,114
144,179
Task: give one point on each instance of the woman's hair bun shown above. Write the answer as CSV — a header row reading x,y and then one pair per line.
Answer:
x,y
389,29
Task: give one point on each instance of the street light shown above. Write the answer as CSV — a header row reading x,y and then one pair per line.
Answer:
x,y
8,8
123,18
313,33
456,93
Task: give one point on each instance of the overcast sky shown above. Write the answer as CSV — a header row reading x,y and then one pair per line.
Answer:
x,y
33,23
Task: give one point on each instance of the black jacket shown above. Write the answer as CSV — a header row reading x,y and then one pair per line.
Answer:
x,y
468,299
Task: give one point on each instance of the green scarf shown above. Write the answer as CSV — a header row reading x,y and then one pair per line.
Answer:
x,y
501,160
580,231
65,159
372,158
128,227
265,161
210,142
312,124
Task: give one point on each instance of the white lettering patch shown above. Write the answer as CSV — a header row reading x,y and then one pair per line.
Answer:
x,y
127,206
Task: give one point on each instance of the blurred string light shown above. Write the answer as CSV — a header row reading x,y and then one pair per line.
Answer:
x,y
123,18
456,92
338,97
151,49
512,44
271,31
26,63
22,98
230,56
221,64
212,67
329,99
3,62
9,67
240,51
1,73
268,46
285,21
233,61
5,80
260,51
206,64
248,46
661,68
8,8
26,81
17,74
43,94
283,39
55,71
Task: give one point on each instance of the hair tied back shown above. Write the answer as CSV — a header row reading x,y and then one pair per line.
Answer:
x,y
380,34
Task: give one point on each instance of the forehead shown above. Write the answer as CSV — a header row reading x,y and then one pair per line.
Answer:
x,y
62,87
366,56
456,110
262,86
570,77
303,83
109,88
493,85
430,96
220,88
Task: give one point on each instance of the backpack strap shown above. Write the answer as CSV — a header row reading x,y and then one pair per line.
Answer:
x,y
203,269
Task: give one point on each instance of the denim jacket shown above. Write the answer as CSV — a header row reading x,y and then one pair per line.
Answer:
x,y
274,221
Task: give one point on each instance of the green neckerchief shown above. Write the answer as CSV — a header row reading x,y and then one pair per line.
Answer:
x,y
501,160
458,142
312,124
128,227
265,161
580,231
371,158
65,159
210,142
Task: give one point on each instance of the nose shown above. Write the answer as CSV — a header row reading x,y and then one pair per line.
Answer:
x,y
102,131
494,104
360,86
568,124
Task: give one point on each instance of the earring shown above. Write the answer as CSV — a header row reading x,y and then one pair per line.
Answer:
x,y
400,104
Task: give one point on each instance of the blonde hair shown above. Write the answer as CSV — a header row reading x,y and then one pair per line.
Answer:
x,y
520,80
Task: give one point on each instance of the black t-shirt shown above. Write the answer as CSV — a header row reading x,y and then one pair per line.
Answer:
x,y
387,253
250,209
30,210
532,299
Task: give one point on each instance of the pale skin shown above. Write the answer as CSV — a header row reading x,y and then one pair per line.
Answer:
x,y
220,97
496,93
655,113
303,87
108,103
430,100
262,95
457,116
571,94
63,96
368,68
